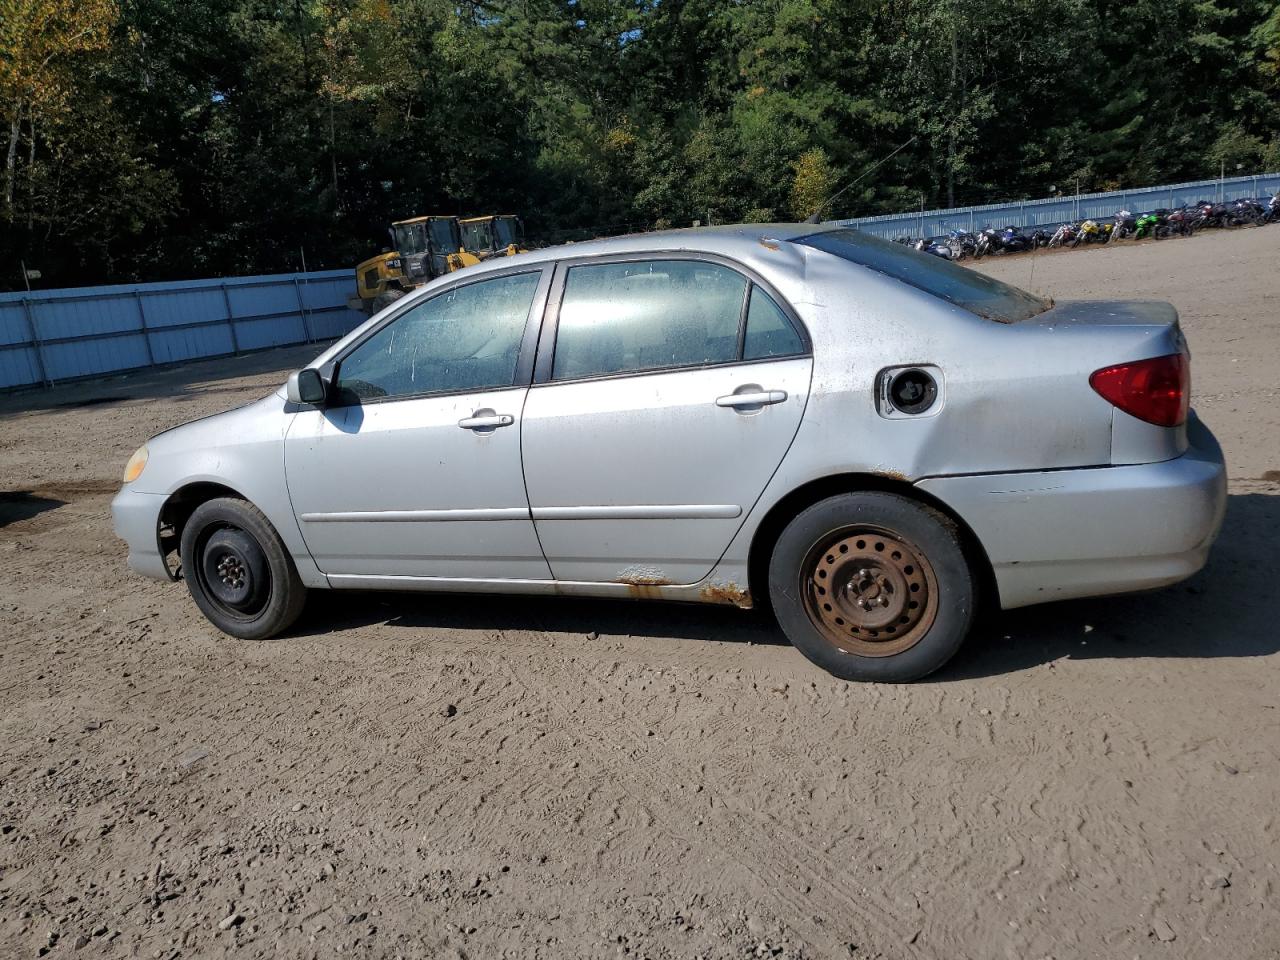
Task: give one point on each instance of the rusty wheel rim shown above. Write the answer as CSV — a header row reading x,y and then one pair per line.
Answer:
x,y
869,591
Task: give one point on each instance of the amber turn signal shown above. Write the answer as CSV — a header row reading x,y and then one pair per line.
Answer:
x,y
133,469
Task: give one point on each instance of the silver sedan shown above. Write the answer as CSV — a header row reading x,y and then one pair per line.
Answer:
x,y
873,443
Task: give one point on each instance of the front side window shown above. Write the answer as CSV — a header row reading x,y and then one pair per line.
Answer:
x,y
967,289
624,317
466,339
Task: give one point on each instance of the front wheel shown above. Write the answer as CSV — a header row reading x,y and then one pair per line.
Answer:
x,y
873,586
238,571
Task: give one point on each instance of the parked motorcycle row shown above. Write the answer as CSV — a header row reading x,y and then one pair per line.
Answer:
x,y
1157,224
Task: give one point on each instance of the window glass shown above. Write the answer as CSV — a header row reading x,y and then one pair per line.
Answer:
x,y
619,317
967,289
769,332
444,236
464,340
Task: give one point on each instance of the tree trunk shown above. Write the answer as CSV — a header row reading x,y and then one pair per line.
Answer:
x,y
11,159
953,120
31,171
333,157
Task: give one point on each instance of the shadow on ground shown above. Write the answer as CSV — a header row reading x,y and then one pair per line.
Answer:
x,y
1230,609
174,382
19,505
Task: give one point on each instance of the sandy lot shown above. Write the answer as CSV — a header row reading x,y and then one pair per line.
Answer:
x,y
427,777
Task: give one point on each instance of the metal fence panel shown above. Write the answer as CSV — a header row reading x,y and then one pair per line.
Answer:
x,y
52,335
1052,211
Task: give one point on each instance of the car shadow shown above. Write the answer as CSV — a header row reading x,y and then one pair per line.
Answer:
x,y
331,611
19,505
1229,609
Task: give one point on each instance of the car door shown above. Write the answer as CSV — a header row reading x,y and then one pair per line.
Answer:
x,y
412,469
668,390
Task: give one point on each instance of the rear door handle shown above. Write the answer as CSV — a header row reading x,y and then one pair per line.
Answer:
x,y
760,399
487,421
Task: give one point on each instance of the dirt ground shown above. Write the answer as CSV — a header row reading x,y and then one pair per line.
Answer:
x,y
451,777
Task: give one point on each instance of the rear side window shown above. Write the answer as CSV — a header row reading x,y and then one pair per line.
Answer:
x,y
661,314
769,332
623,317
465,339
967,289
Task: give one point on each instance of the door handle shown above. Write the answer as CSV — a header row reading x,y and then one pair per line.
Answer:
x,y
759,399
489,421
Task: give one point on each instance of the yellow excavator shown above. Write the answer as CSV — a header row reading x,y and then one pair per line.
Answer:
x,y
428,247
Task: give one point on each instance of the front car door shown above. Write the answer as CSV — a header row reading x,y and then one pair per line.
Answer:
x,y
668,390
412,470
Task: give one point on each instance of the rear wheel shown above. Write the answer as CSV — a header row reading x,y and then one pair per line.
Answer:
x,y
238,571
873,586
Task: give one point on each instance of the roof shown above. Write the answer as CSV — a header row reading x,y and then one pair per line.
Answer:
x,y
738,241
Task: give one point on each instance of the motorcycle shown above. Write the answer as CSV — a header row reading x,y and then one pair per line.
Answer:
x,y
962,243
1012,240
988,242
1092,232
1209,214
1124,225
1246,212
1063,236
1177,223
1149,224
934,247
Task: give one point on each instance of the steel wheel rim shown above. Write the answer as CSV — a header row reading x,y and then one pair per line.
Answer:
x,y
226,572
869,591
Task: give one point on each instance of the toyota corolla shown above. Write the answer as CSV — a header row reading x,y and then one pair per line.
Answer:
x,y
873,443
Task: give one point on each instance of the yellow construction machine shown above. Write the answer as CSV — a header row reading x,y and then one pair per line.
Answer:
x,y
492,236
427,247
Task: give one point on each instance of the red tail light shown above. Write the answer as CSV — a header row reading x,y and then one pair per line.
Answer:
x,y
1156,390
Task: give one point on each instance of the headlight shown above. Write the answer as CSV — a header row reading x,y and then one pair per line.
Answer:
x,y
133,469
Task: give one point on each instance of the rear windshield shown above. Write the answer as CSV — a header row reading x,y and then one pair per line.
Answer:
x,y
967,289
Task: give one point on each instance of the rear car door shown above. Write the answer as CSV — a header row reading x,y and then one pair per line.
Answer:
x,y
413,467
667,391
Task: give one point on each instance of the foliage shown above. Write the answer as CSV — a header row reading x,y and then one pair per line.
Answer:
x,y
152,139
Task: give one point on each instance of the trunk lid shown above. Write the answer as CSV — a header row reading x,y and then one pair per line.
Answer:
x,y
1103,333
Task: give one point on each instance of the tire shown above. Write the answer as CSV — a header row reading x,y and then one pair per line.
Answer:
x,y
884,550
238,571
386,299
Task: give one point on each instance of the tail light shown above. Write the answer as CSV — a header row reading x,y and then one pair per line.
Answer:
x,y
1156,390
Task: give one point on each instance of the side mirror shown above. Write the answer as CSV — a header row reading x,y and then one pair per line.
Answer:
x,y
306,386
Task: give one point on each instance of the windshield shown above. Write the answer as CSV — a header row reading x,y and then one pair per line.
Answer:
x,y
967,289
410,239
444,235
476,237
508,231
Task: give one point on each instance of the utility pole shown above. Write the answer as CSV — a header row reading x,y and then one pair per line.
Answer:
x,y
25,278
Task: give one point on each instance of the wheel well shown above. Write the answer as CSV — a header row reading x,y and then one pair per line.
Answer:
x,y
782,512
177,511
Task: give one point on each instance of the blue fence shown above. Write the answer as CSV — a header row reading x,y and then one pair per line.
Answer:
x,y
47,336
1054,210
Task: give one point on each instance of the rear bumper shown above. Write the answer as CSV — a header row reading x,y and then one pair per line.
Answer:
x,y
136,517
1060,534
